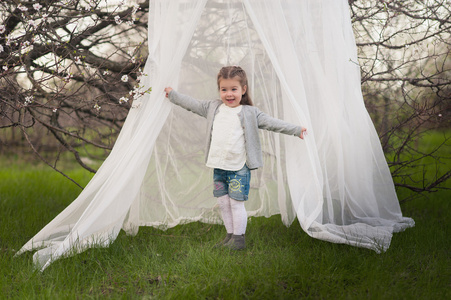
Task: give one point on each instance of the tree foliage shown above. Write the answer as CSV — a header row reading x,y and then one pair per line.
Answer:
x,y
70,70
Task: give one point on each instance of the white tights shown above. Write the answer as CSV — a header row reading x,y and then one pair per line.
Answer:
x,y
233,214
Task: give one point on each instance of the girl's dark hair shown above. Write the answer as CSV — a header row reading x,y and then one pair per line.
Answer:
x,y
231,72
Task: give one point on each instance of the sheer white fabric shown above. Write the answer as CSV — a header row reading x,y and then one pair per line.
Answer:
x,y
300,57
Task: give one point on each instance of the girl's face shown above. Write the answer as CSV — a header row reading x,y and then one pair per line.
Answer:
x,y
231,91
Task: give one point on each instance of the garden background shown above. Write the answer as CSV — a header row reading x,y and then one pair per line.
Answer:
x,y
70,71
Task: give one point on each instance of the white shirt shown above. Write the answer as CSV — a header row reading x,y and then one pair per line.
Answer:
x,y
227,149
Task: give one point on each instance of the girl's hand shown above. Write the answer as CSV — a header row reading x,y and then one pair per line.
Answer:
x,y
167,90
303,132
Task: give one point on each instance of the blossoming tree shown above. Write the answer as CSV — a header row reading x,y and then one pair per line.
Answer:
x,y
68,71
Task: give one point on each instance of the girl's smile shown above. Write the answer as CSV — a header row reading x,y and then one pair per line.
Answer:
x,y
231,92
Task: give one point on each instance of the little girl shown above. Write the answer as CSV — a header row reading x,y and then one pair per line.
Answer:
x,y
233,145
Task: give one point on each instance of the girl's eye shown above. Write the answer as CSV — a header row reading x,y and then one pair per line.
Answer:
x,y
234,89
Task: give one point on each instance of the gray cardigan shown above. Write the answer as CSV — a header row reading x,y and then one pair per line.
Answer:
x,y
251,119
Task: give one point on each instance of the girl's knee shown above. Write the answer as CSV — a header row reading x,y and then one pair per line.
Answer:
x,y
236,203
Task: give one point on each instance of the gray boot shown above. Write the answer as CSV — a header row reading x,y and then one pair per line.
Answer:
x,y
224,241
236,242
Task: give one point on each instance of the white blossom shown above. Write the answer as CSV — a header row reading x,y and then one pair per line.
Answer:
x,y
44,17
77,60
5,68
118,20
124,78
26,46
68,77
32,23
1,49
133,60
140,75
106,72
22,8
135,8
55,109
137,94
123,100
37,6
96,106
2,29
28,100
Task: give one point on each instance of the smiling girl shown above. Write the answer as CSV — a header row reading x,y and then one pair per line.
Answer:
x,y
233,145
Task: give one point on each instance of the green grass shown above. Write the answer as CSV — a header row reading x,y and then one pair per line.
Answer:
x,y
421,172
181,263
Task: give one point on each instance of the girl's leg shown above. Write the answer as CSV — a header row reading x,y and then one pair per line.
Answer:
x,y
226,212
239,217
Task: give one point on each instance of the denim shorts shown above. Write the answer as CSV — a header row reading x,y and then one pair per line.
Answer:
x,y
234,183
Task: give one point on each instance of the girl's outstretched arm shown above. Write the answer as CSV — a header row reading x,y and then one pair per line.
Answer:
x,y
187,102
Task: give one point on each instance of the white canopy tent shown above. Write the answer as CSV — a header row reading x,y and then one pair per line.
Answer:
x,y
300,57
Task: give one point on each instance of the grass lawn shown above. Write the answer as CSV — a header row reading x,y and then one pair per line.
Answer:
x,y
181,263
